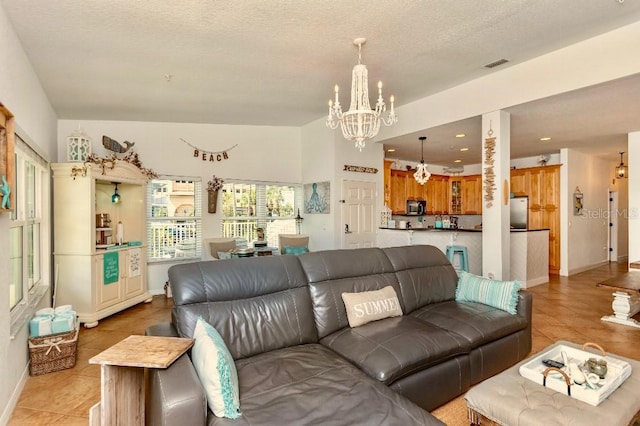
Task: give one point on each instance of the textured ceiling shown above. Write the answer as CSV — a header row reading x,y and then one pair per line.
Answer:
x,y
258,62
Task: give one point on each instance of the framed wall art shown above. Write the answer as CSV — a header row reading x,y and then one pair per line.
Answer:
x,y
317,197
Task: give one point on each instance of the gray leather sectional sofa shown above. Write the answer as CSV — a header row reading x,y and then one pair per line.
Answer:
x,y
298,361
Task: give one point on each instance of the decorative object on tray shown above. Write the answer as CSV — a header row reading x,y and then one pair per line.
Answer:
x,y
213,187
210,155
576,378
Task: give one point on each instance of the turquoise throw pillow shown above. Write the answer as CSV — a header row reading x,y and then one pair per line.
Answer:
x,y
295,250
224,255
499,294
216,370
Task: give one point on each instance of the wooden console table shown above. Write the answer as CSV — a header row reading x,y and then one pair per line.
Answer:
x,y
122,376
626,300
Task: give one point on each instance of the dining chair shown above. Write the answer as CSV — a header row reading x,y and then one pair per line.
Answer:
x,y
213,246
292,240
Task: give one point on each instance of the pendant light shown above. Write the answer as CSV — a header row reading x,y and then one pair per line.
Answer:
x,y
115,198
622,171
422,175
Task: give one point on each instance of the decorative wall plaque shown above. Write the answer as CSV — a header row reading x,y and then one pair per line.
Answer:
x,y
359,169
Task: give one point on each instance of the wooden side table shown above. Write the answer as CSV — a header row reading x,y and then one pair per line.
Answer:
x,y
122,376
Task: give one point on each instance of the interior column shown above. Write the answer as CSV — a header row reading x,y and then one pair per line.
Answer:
x,y
496,153
633,163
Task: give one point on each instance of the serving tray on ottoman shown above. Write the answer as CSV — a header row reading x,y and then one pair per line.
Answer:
x,y
617,372
510,399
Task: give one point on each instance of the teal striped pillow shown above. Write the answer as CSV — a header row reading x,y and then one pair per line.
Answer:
x,y
499,294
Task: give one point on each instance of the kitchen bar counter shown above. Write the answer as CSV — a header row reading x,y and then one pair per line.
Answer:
x,y
529,248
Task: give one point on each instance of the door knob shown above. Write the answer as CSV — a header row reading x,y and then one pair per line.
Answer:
x,y
346,229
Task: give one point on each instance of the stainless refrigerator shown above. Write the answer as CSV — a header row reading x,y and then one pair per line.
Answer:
x,y
519,212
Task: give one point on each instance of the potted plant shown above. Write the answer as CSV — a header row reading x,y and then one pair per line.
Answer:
x,y
213,186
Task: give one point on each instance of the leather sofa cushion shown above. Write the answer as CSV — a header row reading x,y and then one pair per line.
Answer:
x,y
309,384
257,304
390,349
477,323
331,273
424,275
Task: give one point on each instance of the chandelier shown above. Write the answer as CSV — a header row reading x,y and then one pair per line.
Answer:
x,y
360,122
422,175
622,171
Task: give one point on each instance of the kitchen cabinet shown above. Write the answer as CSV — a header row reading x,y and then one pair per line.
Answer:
x,y
415,191
398,192
437,194
387,182
94,276
542,186
471,192
455,189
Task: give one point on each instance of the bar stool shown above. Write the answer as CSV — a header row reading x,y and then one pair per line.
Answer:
x,y
461,251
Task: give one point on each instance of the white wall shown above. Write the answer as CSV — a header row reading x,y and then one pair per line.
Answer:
x,y
265,153
318,164
634,196
22,94
584,238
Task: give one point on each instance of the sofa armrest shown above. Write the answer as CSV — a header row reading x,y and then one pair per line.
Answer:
x,y
164,329
176,396
525,304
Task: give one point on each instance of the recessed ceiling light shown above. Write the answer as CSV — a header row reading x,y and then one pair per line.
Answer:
x,y
464,149
546,138
391,150
458,161
460,135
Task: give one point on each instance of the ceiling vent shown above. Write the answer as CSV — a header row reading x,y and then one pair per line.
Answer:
x,y
496,63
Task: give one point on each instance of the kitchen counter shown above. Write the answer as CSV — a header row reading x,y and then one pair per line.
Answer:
x,y
529,253
459,230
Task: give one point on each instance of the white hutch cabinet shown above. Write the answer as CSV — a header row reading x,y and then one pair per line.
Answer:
x,y
94,275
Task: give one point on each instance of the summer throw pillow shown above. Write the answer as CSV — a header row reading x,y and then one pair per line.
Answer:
x,y
295,250
216,370
370,306
499,294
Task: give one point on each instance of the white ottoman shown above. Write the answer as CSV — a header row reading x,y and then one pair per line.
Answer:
x,y
509,399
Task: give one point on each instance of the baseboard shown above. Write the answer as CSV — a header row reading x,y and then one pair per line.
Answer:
x,y
587,267
15,396
537,281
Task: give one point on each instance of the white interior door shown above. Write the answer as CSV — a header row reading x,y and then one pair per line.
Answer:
x,y
358,214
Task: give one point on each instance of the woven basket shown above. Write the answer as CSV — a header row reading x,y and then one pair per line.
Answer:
x,y
53,352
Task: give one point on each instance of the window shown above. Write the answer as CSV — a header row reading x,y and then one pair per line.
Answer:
x,y
248,206
174,218
26,247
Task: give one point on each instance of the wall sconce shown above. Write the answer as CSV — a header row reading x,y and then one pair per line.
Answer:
x,y
622,171
299,220
115,198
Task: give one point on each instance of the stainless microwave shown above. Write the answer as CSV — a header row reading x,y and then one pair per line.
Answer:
x,y
416,207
